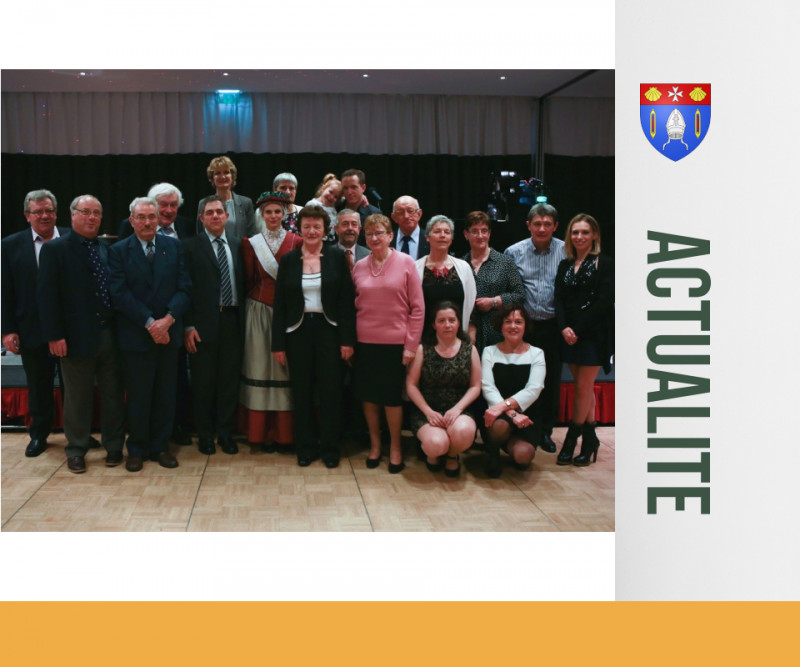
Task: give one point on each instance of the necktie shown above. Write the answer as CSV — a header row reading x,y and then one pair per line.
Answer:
x,y
225,290
350,258
99,272
404,244
166,231
151,253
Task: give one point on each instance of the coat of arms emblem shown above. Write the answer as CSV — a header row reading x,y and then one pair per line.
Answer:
x,y
675,117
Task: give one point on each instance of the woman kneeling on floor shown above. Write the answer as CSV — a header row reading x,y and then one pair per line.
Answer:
x,y
443,381
512,378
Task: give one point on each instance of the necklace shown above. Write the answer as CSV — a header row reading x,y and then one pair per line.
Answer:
x,y
372,265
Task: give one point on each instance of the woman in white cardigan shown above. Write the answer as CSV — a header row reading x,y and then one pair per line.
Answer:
x,y
444,277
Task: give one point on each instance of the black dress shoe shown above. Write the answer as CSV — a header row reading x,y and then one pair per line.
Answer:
x,y
304,460
227,445
164,459
434,467
134,463
206,446
331,461
180,436
35,447
76,464
547,444
373,463
395,468
113,459
270,446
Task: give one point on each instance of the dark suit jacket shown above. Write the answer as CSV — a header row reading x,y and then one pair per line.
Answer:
x,y
247,224
20,310
70,306
338,296
424,246
183,226
141,290
203,311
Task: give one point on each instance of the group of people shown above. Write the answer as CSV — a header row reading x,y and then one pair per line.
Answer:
x,y
277,307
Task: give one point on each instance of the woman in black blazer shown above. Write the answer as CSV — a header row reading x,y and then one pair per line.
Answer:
x,y
313,327
584,304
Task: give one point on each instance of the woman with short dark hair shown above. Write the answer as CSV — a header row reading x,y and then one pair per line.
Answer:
x,y
512,377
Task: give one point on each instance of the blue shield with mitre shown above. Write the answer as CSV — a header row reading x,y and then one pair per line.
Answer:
x,y
675,116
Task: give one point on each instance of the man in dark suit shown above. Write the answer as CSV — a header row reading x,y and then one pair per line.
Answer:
x,y
22,331
213,332
78,323
150,286
354,185
409,239
347,227
169,200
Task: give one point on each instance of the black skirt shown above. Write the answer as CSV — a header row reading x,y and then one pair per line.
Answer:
x,y
378,374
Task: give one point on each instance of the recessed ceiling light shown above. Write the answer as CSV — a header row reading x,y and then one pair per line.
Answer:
x,y
83,73
502,78
224,74
366,76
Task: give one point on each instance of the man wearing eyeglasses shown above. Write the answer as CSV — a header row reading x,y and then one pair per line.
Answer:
x,y
22,331
347,227
409,239
150,286
78,322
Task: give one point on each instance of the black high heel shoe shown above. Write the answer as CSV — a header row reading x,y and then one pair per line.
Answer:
x,y
589,446
374,463
454,472
395,468
434,467
571,439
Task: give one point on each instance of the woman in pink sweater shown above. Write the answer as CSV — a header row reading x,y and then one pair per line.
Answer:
x,y
390,309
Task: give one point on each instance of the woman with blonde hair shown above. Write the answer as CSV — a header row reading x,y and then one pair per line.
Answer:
x,y
326,196
584,305
242,221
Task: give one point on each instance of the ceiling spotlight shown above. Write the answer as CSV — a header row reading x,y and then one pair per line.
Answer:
x,y
224,74
366,76
83,73
502,78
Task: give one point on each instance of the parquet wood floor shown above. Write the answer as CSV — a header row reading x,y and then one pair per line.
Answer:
x,y
255,491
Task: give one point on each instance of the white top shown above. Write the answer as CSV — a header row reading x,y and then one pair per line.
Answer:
x,y
527,395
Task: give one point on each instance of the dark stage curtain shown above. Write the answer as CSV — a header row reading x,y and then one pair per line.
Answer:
x,y
446,184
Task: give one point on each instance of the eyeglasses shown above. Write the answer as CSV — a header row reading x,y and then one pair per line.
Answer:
x,y
141,217
88,212
406,211
375,235
44,211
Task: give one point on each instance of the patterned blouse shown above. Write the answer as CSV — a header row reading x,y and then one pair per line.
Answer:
x,y
498,276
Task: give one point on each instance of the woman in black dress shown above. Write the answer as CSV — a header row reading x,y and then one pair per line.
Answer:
x,y
584,304
443,381
512,378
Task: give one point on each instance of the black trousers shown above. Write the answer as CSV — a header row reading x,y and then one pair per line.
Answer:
x,y
150,381
547,338
40,368
315,371
216,368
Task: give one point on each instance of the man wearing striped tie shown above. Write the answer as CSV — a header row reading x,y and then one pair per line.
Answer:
x,y
214,327
150,286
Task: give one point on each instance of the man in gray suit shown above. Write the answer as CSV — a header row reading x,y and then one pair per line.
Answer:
x,y
347,228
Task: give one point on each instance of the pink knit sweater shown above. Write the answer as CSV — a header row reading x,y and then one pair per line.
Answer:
x,y
390,308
